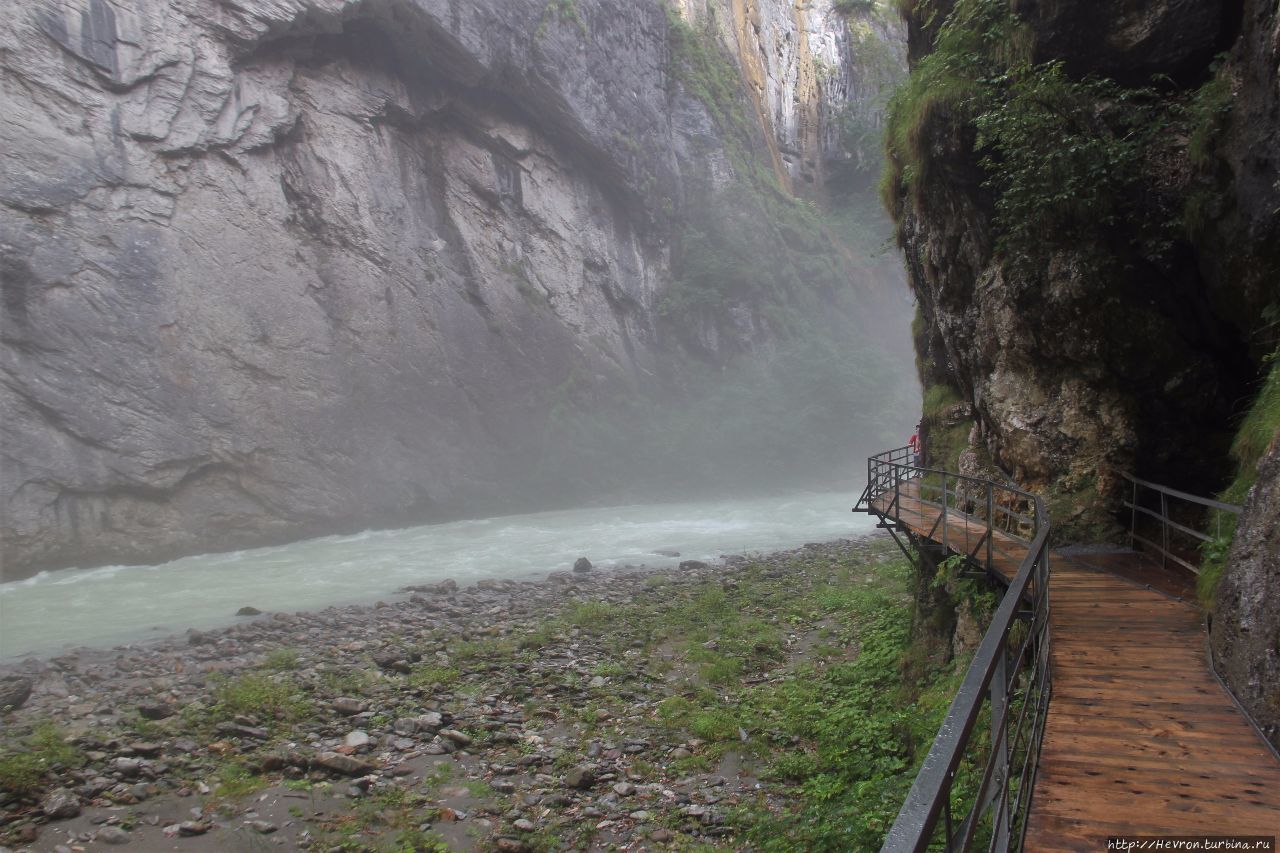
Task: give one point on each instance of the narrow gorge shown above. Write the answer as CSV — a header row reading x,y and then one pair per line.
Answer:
x,y
276,269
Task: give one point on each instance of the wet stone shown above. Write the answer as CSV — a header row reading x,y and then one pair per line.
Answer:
x,y
113,835
580,777
60,804
348,706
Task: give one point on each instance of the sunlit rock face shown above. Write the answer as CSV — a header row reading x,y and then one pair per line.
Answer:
x,y
808,68
276,268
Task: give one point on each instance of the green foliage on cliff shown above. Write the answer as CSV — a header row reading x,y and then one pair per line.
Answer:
x,y
1060,166
977,43
1061,156
1259,430
945,435
564,11
707,73
1208,112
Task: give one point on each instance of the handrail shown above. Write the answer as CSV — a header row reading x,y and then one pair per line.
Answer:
x,y
1186,496
1010,675
1168,526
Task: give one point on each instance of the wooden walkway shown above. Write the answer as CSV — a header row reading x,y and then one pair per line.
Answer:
x,y
1140,738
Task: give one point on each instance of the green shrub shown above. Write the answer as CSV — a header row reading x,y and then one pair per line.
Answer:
x,y
1061,156
591,614
976,43
429,676
1258,432
236,781
261,696
715,725
1062,165
22,771
1208,112
281,660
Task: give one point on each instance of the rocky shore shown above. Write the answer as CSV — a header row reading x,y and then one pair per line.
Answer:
x,y
634,709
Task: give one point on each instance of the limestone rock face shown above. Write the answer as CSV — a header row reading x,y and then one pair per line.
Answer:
x,y
1246,622
270,262
1242,251
809,68
1123,353
278,267
1136,350
1129,41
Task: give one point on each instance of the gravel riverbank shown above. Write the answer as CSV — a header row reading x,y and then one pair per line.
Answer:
x,y
595,710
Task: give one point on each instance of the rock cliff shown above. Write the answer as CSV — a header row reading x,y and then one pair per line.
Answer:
x,y
1087,199
278,267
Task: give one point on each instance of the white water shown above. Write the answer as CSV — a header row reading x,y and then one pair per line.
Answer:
x,y
117,604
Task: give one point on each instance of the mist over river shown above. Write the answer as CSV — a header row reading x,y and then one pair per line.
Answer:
x,y
118,604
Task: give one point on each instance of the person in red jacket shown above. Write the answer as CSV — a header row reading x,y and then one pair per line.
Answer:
x,y
914,446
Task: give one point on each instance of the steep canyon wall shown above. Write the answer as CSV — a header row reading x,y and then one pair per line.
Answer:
x,y
1090,210
283,267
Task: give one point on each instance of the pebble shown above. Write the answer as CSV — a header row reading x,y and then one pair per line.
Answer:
x,y
580,777
456,736
155,710
113,835
510,845
60,804
127,767
350,707
343,764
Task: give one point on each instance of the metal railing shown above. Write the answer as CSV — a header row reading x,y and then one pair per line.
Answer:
x,y
1174,535
974,787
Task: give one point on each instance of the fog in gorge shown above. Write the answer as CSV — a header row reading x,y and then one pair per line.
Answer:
x,y
376,265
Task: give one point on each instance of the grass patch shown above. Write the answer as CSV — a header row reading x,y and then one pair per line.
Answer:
x,y
281,660
45,749
432,676
236,781
715,725
591,614
266,697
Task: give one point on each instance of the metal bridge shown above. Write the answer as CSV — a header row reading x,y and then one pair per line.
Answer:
x,y
1090,709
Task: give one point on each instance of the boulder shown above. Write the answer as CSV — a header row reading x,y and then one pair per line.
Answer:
x,y
14,691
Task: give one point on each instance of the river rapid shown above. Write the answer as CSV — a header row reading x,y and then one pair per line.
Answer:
x,y
119,604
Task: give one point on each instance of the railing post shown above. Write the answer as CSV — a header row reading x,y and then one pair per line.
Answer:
x,y
1000,748
1133,516
897,491
1164,529
991,522
944,509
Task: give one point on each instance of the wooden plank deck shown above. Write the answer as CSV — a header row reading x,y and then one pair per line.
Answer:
x,y
1140,738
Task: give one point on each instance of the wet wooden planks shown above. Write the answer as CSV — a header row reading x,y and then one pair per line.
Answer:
x,y
1140,736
